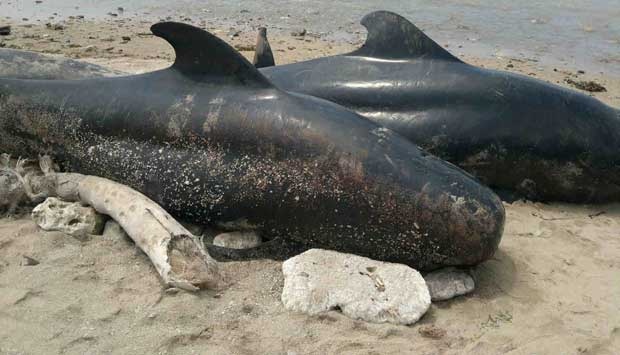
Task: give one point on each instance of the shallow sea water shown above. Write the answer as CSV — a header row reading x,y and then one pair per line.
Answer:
x,y
578,34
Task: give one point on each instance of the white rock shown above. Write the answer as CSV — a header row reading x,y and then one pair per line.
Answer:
x,y
321,280
448,283
68,217
237,240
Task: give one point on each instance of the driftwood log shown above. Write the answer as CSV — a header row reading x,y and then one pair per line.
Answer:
x,y
178,256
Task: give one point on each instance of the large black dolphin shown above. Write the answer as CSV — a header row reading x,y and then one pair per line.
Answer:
x,y
513,132
211,139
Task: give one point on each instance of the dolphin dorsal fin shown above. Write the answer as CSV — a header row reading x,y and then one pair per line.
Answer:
x,y
202,56
392,36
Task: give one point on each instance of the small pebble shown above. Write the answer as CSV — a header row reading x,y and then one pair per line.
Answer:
x,y
432,332
299,33
28,261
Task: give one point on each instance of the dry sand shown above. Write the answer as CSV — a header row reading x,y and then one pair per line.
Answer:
x,y
552,288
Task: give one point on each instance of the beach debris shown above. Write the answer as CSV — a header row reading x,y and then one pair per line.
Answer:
x,y
301,32
232,33
14,184
374,291
5,30
237,240
245,47
432,332
68,217
55,26
445,284
586,85
11,193
178,256
28,261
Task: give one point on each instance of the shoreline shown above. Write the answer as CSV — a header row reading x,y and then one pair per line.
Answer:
x,y
551,288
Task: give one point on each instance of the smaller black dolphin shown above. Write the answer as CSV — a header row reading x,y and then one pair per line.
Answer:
x,y
263,57
513,132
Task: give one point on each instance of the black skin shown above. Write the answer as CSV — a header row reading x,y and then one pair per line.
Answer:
x,y
211,140
263,57
515,133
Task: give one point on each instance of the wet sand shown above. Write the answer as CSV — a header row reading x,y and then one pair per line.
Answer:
x,y
552,288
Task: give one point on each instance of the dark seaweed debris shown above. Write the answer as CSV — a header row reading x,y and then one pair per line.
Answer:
x,y
587,85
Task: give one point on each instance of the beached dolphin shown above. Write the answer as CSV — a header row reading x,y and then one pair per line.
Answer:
x,y
513,132
212,140
263,56
18,64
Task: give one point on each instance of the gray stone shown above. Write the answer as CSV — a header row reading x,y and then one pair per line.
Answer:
x,y
237,240
448,283
68,217
114,231
321,280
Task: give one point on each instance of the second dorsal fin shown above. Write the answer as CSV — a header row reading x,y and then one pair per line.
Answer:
x,y
392,36
200,55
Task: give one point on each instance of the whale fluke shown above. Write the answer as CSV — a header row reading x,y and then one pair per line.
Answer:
x,y
392,36
200,54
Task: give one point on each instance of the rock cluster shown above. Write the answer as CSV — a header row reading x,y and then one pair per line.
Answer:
x,y
68,217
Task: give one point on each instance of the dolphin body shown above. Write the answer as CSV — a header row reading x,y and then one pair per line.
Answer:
x,y
17,64
212,140
513,132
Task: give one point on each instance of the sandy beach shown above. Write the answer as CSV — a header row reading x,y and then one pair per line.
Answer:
x,y
552,288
